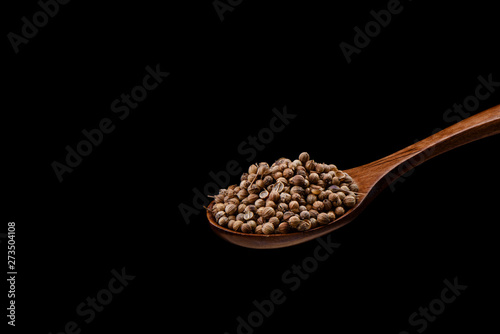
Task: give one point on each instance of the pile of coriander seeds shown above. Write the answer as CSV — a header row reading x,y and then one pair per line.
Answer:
x,y
286,197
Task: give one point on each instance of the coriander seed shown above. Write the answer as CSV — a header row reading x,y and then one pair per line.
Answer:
x,y
251,208
285,197
274,195
294,206
311,198
268,228
288,173
305,215
301,170
320,168
231,209
252,224
327,205
341,195
318,205
218,207
234,200
219,214
345,189
339,211
297,190
296,197
283,228
260,203
310,165
248,215
304,157
252,169
294,221
268,180
271,204
333,197
316,189
263,194
313,177
278,187
237,225
322,195
283,207
223,221
323,218
349,201
275,221
304,225
298,180
331,215
314,222
287,215
267,212
245,228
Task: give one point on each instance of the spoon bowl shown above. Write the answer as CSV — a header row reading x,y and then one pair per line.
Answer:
x,y
264,241
374,177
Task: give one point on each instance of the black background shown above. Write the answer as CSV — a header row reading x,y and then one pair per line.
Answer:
x,y
120,206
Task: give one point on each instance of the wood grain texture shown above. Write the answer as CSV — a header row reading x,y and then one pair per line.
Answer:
x,y
374,177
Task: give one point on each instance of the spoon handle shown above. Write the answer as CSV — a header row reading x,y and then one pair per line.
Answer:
x,y
481,125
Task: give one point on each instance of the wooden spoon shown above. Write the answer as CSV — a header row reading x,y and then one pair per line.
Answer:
x,y
374,177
